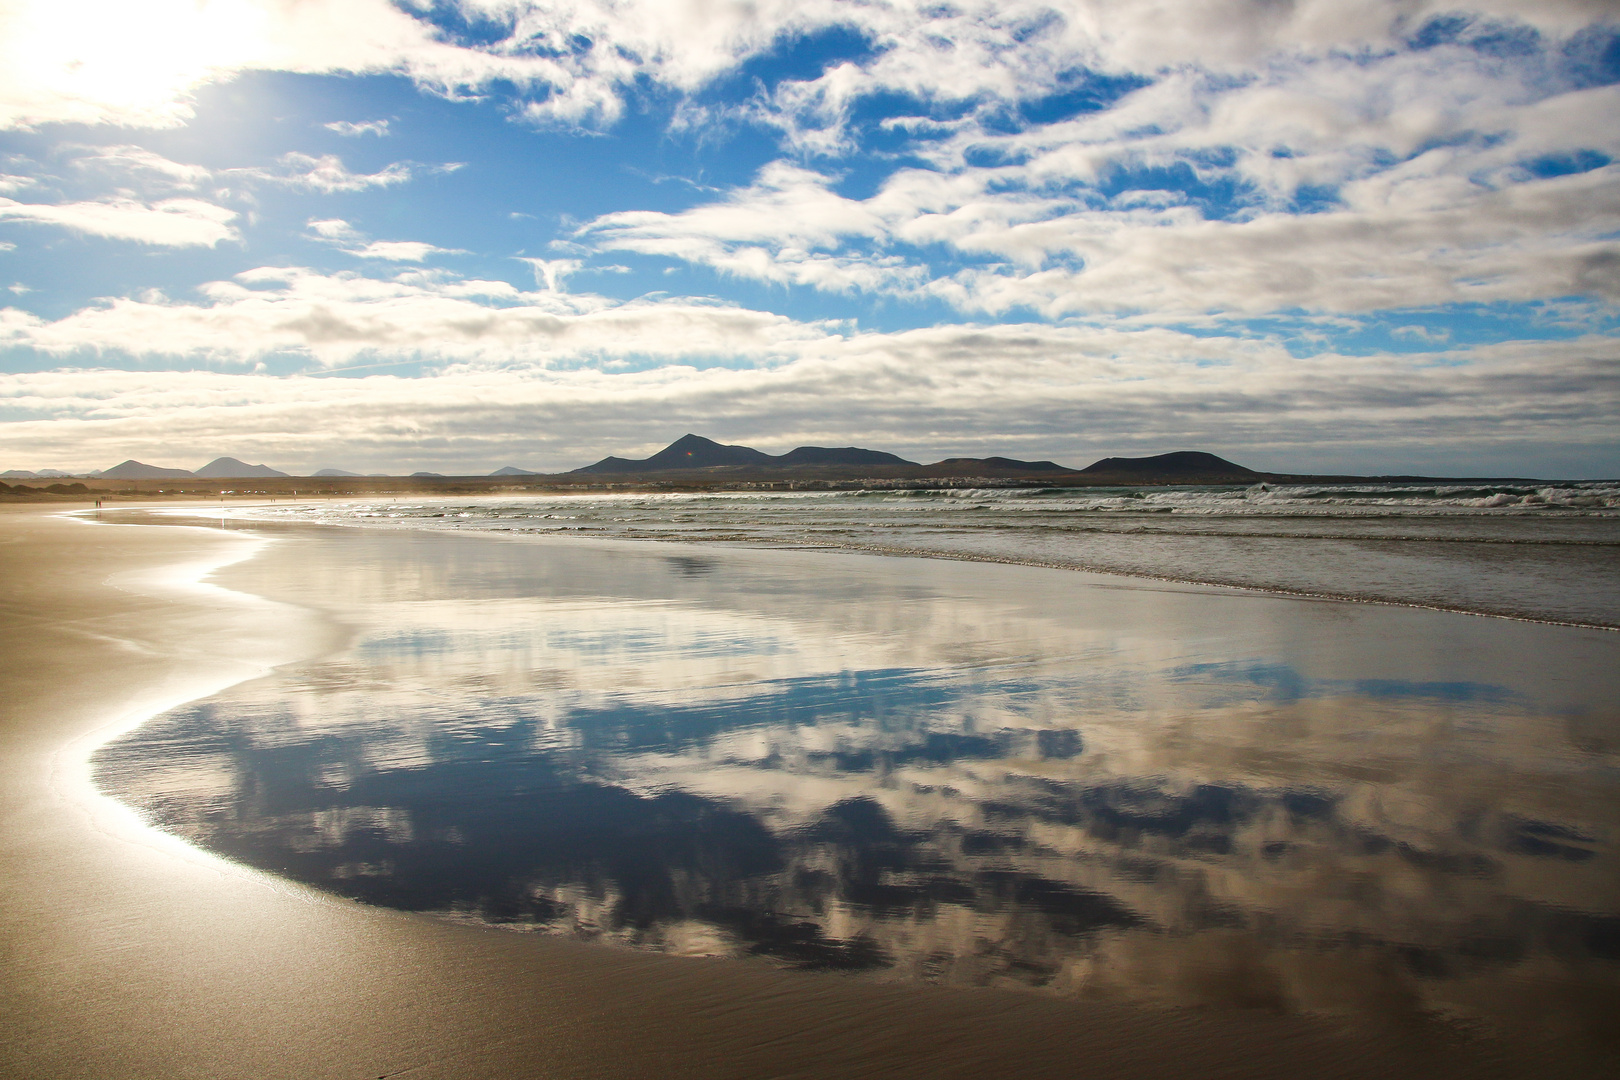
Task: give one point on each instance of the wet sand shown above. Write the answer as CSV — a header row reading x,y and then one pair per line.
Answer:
x,y
127,954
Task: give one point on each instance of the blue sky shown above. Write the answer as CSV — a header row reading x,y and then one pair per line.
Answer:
x,y
459,234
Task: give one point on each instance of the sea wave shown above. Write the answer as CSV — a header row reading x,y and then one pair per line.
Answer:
x,y
1549,552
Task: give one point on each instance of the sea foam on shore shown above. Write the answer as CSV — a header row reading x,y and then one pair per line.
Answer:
x,y
1549,553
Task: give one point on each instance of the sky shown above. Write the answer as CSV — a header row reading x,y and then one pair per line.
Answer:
x,y
1366,236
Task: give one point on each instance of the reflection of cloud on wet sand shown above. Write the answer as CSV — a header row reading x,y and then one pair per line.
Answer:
x,y
925,776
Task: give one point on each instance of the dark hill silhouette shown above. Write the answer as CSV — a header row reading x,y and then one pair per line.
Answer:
x,y
839,455
1195,465
975,466
224,468
696,452
139,470
687,452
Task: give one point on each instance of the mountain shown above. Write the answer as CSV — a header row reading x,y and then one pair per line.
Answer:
x,y
696,452
693,452
1194,466
513,470
967,466
424,474
226,468
686,452
334,472
839,455
137,470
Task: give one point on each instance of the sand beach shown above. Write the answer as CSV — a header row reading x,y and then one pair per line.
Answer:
x,y
128,953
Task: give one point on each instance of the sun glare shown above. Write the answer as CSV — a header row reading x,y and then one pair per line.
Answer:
x,y
136,63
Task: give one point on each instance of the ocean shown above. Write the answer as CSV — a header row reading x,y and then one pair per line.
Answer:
x,y
1544,552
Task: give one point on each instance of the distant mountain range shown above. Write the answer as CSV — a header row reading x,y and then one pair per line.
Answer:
x,y
43,474
693,452
223,468
705,460
696,452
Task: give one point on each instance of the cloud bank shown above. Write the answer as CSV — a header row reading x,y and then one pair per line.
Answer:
x,y
542,376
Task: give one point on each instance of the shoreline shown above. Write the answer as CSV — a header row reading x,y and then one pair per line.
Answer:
x,y
1278,591
134,959
950,474
763,542
71,767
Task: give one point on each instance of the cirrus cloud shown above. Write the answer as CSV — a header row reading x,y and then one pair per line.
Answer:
x,y
354,129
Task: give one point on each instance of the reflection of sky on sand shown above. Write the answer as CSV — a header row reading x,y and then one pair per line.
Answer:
x,y
946,772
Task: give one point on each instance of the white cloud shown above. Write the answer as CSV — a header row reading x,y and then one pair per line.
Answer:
x,y
100,61
346,318
137,160
1018,386
137,65
398,250
328,175
352,242
169,223
137,166
1459,221
352,129
334,229
1422,333
1267,98
787,205
549,274
1532,241
777,230
1418,161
